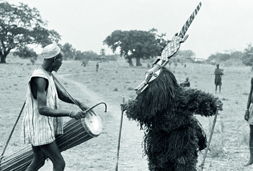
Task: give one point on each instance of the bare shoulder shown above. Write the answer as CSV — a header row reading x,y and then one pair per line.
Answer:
x,y
40,83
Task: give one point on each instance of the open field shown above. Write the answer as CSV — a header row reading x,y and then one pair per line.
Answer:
x,y
229,147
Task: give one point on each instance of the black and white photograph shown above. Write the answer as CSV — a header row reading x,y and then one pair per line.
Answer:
x,y
126,85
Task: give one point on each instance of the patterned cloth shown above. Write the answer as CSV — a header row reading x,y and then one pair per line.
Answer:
x,y
39,129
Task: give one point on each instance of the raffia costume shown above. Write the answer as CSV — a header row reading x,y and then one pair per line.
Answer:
x,y
165,111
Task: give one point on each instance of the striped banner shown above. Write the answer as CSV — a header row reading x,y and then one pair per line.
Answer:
x,y
189,21
173,46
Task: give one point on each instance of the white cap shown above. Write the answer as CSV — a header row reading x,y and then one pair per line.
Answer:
x,y
50,51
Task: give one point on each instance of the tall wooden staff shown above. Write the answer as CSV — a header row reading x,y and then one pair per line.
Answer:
x,y
120,130
209,142
8,140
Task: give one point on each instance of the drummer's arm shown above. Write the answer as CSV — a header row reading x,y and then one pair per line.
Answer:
x,y
41,96
41,84
250,95
246,115
65,97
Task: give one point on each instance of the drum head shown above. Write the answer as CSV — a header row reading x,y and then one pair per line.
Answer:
x,y
93,124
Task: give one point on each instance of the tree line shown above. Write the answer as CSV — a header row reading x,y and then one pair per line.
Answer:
x,y
245,56
22,26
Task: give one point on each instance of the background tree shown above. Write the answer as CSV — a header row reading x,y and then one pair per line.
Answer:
x,y
25,52
136,44
102,52
20,26
72,53
247,57
184,56
69,51
227,58
90,55
218,57
78,55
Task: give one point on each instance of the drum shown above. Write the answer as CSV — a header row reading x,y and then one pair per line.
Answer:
x,y
75,133
79,131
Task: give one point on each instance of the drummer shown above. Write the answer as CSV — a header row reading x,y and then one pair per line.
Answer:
x,y
42,119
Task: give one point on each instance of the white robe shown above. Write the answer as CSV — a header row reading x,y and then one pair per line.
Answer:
x,y
39,129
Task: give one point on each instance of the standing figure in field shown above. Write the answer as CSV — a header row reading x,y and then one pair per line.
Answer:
x,y
97,67
84,63
217,79
165,110
249,117
42,118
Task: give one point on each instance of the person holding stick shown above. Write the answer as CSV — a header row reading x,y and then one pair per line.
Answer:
x,y
249,118
217,79
42,118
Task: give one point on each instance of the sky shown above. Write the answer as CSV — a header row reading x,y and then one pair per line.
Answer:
x,y
220,26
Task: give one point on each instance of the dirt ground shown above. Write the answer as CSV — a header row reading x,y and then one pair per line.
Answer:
x,y
115,80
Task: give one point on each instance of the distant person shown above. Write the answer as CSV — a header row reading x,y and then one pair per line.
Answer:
x,y
217,80
97,66
249,118
186,83
42,118
33,59
84,63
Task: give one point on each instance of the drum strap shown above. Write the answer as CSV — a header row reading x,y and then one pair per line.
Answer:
x,y
72,99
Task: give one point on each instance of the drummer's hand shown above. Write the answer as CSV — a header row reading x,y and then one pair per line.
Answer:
x,y
246,116
77,115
